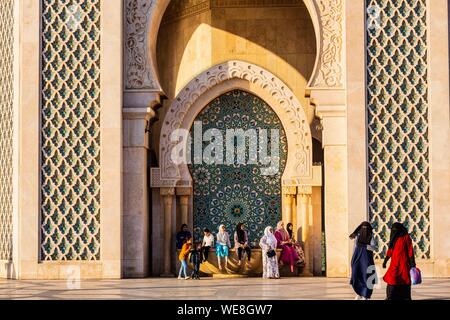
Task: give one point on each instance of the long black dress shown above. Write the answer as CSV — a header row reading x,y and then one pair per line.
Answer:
x,y
363,270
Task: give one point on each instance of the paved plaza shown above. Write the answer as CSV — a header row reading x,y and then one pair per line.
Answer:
x,y
207,289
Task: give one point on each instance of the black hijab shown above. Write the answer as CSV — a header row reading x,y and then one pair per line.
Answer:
x,y
240,233
397,230
364,232
289,229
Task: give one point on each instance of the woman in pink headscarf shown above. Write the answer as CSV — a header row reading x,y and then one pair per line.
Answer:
x,y
288,254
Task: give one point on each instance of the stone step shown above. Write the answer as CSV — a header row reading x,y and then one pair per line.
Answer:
x,y
228,276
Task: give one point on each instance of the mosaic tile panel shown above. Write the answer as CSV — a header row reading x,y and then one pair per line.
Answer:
x,y
6,126
70,136
398,120
229,194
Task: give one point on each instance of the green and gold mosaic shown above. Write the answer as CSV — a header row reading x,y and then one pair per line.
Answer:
x,y
70,135
397,87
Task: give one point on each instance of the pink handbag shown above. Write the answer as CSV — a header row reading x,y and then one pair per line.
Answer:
x,y
416,276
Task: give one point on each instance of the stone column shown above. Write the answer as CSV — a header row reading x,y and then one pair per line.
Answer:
x,y
316,230
136,193
184,197
304,221
334,122
168,197
288,201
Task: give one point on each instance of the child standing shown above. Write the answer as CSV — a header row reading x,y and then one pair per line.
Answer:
x,y
208,243
183,258
196,260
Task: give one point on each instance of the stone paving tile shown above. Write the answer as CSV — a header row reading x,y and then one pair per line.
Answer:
x,y
227,289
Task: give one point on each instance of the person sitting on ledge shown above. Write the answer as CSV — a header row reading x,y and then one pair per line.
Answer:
x,y
297,246
241,243
222,246
288,253
208,243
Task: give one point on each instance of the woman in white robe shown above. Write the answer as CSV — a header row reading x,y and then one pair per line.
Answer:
x,y
268,244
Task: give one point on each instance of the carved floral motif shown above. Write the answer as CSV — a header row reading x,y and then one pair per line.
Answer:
x,y
330,69
139,74
139,69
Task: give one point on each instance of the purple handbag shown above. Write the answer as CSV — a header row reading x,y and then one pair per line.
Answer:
x,y
416,276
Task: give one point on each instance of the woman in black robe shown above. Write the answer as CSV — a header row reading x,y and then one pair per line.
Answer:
x,y
363,266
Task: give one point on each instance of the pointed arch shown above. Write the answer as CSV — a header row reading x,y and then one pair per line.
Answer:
x,y
218,80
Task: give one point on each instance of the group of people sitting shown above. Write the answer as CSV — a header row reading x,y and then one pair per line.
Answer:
x,y
198,252
400,252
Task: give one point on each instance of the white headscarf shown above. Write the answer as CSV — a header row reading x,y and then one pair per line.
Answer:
x,y
271,240
280,226
222,237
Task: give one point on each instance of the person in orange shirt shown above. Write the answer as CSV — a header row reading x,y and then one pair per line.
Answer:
x,y
184,257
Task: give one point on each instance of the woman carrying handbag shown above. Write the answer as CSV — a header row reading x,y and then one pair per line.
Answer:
x,y
268,244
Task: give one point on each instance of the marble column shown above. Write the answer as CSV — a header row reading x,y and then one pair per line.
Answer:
x,y
168,197
288,202
135,193
316,230
334,122
304,221
184,197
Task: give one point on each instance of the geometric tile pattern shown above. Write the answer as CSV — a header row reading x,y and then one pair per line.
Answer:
x,y
70,132
232,193
6,126
398,144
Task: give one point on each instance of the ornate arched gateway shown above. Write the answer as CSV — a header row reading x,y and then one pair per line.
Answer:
x,y
230,192
326,92
272,98
67,135
216,81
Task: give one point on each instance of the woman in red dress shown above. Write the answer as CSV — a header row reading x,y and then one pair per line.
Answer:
x,y
401,254
288,254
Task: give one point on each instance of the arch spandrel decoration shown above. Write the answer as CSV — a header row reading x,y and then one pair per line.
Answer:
x,y
328,21
143,19
267,86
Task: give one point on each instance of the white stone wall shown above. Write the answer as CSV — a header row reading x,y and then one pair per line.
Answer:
x,y
71,156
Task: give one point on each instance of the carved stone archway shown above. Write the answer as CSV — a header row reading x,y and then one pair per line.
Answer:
x,y
216,81
174,180
326,92
143,19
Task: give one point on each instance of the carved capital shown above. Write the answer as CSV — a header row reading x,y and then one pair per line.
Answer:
x,y
304,190
156,181
289,191
138,113
331,111
184,191
167,192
